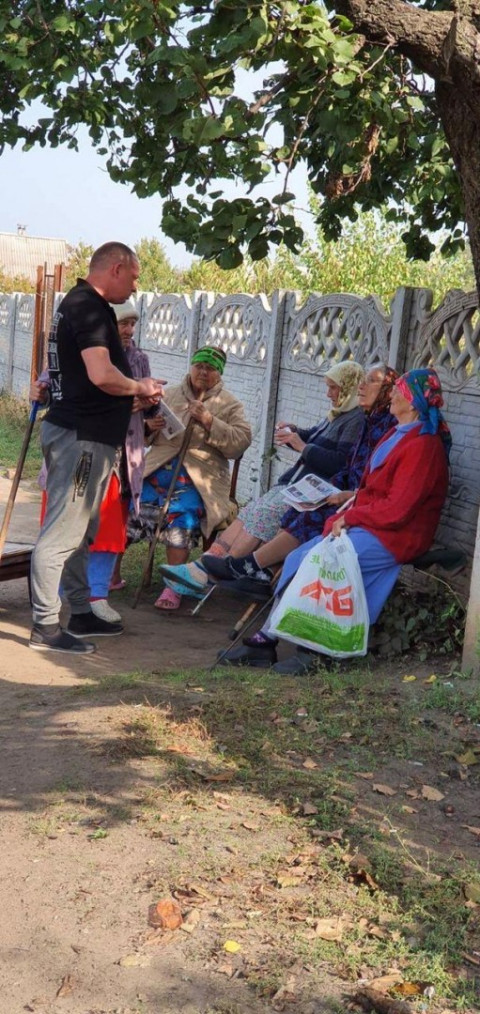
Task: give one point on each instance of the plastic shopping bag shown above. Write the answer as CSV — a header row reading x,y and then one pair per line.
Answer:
x,y
324,607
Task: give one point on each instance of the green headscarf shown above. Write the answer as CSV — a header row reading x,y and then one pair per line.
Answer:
x,y
213,357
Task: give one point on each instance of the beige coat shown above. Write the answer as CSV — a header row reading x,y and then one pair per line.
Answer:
x,y
206,458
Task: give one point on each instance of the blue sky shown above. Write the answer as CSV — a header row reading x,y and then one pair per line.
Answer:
x,y
68,195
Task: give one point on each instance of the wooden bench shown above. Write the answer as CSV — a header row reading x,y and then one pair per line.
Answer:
x,y
15,562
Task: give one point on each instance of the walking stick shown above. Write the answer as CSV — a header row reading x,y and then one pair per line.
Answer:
x,y
45,291
18,475
165,505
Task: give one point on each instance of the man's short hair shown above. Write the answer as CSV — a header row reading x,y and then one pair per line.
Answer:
x,y
111,253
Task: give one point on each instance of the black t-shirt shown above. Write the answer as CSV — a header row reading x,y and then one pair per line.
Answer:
x,y
84,320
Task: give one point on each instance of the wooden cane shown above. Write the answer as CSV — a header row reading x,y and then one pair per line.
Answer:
x,y
166,505
42,311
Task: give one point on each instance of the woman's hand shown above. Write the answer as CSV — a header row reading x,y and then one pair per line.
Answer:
x,y
155,424
282,436
338,525
200,413
336,499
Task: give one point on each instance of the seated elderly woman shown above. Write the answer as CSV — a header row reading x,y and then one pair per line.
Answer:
x,y
201,497
395,512
323,449
374,392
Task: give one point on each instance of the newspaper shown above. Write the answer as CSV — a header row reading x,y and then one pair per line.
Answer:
x,y
308,493
173,425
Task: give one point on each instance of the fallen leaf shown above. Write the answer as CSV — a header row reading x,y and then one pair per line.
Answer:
x,y
226,968
308,809
287,880
191,921
329,928
473,830
468,758
384,790
408,809
248,826
327,835
135,961
409,679
471,959
309,764
165,914
232,947
66,986
215,776
386,982
431,679
434,795
472,892
363,774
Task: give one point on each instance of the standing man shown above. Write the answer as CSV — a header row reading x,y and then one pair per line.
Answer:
x,y
92,392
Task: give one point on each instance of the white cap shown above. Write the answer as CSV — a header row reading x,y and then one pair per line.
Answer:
x,y
123,311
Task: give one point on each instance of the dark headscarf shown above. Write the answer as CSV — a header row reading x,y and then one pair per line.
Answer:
x,y
423,390
382,400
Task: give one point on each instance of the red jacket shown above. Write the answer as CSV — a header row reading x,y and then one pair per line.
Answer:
x,y
400,501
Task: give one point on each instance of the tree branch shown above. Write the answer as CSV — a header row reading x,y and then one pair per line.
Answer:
x,y
443,44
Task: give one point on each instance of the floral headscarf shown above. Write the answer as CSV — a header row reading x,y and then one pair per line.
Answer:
x,y
423,390
347,376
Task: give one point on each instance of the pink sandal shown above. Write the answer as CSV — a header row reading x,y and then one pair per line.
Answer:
x,y
168,600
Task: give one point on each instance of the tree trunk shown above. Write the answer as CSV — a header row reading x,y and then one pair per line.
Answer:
x,y
446,46
461,122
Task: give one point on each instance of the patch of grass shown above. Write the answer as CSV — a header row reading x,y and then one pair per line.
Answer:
x,y
13,423
296,747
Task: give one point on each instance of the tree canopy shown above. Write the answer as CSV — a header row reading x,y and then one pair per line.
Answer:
x,y
377,99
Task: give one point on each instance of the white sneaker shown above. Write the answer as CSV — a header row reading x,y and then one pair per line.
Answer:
x,y
105,612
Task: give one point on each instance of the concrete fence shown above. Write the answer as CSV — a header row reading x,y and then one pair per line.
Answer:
x,y
279,348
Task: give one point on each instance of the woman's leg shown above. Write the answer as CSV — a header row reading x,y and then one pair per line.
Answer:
x,y
234,541
100,570
176,555
276,550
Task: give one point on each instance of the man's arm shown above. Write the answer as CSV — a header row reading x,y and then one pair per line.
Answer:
x,y
108,378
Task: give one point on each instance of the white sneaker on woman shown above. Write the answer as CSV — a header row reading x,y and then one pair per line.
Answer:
x,y
102,609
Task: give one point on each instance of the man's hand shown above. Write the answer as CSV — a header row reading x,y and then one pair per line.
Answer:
x,y
200,413
150,389
38,391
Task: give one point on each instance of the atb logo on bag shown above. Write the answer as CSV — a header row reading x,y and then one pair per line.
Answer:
x,y
337,600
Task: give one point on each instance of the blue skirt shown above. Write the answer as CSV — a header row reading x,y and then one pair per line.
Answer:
x,y
379,568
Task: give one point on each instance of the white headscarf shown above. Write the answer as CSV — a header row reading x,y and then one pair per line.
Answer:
x,y
347,376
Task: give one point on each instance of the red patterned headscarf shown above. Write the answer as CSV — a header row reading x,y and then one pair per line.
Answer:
x,y
423,390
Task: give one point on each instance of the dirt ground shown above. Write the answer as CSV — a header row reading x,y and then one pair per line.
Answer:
x,y
82,857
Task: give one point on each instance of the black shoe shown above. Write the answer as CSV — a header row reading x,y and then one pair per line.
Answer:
x,y
302,662
229,568
59,640
219,567
259,656
82,624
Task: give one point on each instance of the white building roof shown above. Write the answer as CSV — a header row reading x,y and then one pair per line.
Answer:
x,y
21,254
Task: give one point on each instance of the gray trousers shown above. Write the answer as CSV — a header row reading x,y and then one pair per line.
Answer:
x,y
77,475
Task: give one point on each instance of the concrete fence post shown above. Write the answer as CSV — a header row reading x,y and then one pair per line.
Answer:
x,y
269,412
